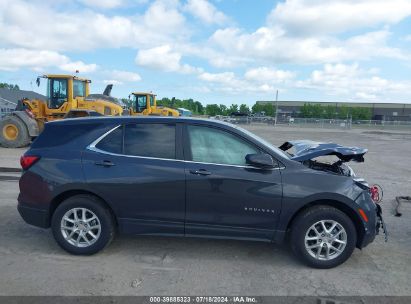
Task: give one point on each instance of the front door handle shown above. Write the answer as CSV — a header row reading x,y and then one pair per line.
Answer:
x,y
200,172
104,163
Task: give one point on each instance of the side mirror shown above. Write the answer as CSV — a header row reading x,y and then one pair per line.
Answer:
x,y
260,160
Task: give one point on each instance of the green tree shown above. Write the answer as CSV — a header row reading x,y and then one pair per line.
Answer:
x,y
195,107
127,102
212,110
9,86
343,112
223,109
233,108
244,108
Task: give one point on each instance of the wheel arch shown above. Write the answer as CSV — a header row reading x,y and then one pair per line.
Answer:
x,y
73,192
350,212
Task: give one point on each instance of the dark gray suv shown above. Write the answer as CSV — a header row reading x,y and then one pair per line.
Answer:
x,y
88,178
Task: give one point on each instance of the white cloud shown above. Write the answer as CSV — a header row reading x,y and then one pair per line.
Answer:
x,y
205,11
303,32
273,45
125,76
14,59
228,82
118,77
268,75
163,58
80,66
105,4
352,82
85,29
112,81
322,17
349,82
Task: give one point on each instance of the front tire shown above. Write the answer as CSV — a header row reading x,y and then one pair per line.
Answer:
x,y
323,237
14,133
82,225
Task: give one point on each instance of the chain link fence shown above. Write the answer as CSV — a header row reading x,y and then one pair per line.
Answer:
x,y
342,124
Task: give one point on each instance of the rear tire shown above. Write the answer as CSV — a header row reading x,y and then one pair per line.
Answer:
x,y
319,247
83,225
13,132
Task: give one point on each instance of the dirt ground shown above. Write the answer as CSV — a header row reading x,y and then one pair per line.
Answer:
x,y
31,263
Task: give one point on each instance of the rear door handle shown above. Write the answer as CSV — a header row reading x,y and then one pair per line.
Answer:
x,y
104,163
200,172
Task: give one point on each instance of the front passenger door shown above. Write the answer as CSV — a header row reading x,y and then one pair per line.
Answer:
x,y
225,196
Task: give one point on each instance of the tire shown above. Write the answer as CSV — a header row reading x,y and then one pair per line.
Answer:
x,y
69,239
303,233
13,132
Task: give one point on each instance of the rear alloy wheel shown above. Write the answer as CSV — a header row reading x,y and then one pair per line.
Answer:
x,y
323,237
80,227
83,225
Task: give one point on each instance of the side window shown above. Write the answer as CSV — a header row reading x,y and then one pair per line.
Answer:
x,y
211,145
79,88
150,140
113,142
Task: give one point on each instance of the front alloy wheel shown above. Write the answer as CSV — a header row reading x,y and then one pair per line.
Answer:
x,y
323,236
325,240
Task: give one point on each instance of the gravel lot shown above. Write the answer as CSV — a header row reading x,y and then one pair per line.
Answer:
x,y
31,263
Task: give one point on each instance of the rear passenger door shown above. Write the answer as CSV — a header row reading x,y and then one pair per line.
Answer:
x,y
138,169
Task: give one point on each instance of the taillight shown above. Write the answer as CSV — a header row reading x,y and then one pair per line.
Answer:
x,y
26,161
376,193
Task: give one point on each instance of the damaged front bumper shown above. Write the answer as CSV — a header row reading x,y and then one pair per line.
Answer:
x,y
380,223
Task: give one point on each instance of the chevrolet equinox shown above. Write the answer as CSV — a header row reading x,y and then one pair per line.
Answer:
x,y
88,178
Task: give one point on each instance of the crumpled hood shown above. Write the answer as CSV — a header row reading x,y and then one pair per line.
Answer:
x,y
307,149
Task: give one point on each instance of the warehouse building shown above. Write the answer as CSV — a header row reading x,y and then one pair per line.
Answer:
x,y
380,111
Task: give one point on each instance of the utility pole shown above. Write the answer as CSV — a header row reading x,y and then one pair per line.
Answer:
x,y
276,108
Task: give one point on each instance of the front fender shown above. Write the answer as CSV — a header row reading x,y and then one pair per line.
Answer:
x,y
31,123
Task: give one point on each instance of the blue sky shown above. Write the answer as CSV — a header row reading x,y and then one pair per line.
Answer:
x,y
215,51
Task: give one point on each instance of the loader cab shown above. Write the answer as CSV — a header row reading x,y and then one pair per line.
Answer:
x,y
142,103
64,88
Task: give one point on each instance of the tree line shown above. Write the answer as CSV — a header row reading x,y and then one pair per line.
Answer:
x,y
308,110
9,86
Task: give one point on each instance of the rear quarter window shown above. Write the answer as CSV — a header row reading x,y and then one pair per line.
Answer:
x,y
60,134
113,142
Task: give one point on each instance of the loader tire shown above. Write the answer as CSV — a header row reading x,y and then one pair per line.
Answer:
x,y
13,133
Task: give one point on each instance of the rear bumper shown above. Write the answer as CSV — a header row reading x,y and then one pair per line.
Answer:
x,y
34,216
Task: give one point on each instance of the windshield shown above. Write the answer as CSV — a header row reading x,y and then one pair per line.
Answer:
x,y
264,142
56,92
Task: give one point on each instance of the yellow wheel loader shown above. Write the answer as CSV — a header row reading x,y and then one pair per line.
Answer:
x,y
146,104
67,97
